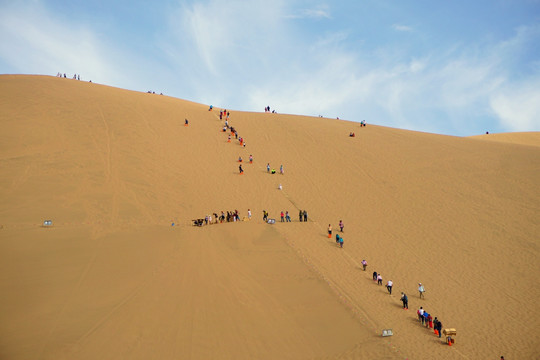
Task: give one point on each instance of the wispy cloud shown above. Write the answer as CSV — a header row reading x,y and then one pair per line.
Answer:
x,y
315,13
518,106
34,40
403,28
452,91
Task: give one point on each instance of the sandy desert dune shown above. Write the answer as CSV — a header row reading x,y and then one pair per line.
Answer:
x,y
113,279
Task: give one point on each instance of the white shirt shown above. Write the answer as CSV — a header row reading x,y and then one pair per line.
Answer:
x,y
390,283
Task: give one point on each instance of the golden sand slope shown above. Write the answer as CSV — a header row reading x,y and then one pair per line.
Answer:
x,y
113,279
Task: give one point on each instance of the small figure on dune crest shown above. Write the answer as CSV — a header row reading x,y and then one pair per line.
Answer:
x,y
364,264
210,108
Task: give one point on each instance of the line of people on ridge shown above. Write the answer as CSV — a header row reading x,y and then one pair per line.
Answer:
x,y
285,217
230,216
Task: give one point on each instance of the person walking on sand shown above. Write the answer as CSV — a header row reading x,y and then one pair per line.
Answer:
x,y
249,214
300,215
281,169
438,327
341,241
341,226
268,167
287,216
405,300
430,321
364,264
329,231
426,316
240,168
389,285
374,276
305,216
421,290
420,314
379,279
282,217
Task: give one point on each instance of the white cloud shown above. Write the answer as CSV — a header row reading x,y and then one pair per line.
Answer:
x,y
518,107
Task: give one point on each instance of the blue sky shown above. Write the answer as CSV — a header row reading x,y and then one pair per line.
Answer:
x,y
453,67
